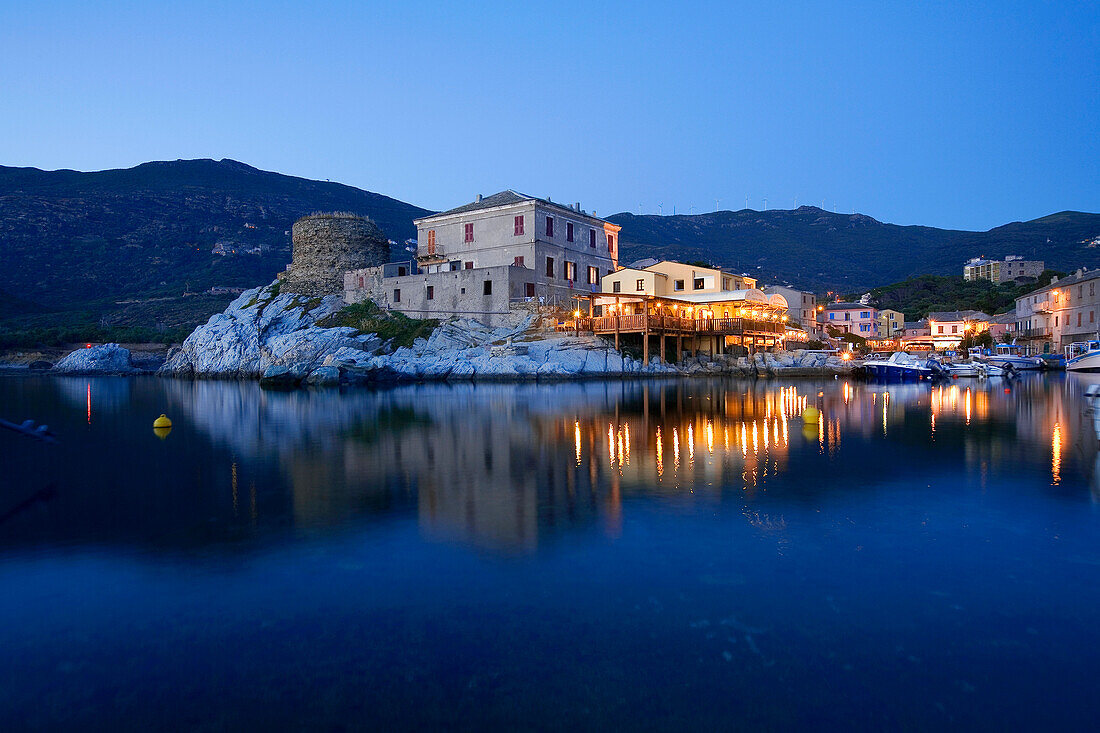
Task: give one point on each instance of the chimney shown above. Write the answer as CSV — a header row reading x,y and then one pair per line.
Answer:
x,y
478,200
577,206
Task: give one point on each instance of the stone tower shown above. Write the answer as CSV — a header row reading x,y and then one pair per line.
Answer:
x,y
325,246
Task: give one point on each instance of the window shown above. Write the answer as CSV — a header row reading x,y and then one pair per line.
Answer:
x,y
593,275
570,271
1078,319
529,289
402,271
549,267
617,287
677,284
431,241
640,286
569,231
1080,288
518,226
361,281
954,329
865,314
592,238
431,292
727,284
456,265
469,265
697,283
1092,289
611,244
832,316
549,226
397,295
847,316
518,262
1055,320
1092,316
469,232
487,289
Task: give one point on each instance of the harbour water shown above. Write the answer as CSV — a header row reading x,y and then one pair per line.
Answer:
x,y
665,555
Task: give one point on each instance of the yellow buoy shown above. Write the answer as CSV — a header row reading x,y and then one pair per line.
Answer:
x,y
161,433
162,422
810,414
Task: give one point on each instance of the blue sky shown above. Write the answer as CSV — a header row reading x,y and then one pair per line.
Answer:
x,y
963,115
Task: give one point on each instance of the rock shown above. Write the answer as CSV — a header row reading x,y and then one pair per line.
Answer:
x,y
102,359
40,366
279,377
323,376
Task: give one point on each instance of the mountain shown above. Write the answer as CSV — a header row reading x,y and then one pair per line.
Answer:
x,y
69,238
821,250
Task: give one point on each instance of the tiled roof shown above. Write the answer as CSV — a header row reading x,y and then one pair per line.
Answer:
x,y
1069,280
848,307
504,198
958,316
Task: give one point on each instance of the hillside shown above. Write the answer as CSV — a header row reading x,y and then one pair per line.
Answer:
x,y
820,250
70,238
88,254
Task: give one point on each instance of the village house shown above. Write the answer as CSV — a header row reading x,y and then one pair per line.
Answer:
x,y
712,308
478,259
891,323
916,335
948,327
801,307
857,318
1064,311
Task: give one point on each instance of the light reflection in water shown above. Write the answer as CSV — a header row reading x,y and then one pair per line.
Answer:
x,y
1056,455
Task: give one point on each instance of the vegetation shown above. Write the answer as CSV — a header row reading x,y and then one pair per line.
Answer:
x,y
367,317
971,339
918,296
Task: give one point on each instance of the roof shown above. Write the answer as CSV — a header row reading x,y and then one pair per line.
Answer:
x,y
1080,276
505,198
635,269
916,324
642,264
848,307
1009,317
958,316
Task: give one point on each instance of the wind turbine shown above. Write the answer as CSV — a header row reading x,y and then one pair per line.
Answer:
x,y
660,209
765,202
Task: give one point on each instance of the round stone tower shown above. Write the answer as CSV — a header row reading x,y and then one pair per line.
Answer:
x,y
325,246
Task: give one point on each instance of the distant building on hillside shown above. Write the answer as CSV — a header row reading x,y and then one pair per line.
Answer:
x,y
1010,269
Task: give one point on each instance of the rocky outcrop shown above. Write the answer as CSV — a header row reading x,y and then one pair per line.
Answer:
x,y
102,359
264,328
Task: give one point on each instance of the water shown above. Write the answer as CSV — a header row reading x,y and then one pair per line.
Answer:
x,y
689,555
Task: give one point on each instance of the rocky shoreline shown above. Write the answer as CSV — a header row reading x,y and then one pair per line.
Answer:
x,y
274,337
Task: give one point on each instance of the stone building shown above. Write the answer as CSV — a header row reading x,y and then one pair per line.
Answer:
x,y
325,246
1066,310
477,259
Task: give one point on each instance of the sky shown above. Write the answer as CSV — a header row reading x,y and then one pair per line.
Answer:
x,y
960,115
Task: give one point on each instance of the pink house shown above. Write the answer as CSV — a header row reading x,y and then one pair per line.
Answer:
x,y
862,320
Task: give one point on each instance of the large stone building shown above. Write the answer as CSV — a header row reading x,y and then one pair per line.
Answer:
x,y
1011,269
1054,316
477,259
325,246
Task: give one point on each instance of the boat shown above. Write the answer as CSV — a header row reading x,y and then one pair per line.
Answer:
x,y
963,369
1007,355
899,367
1083,356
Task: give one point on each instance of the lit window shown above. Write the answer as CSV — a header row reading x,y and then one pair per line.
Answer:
x,y
640,285
571,271
593,275
697,283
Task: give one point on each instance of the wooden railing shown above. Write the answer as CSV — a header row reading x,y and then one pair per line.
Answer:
x,y
672,324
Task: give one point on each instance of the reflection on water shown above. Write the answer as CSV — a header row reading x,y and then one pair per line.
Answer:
x,y
550,556
503,466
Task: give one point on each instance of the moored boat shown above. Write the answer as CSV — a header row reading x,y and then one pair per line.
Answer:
x,y
1083,356
899,367
1008,355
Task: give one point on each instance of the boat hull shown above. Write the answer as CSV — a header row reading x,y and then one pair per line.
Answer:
x,y
1089,362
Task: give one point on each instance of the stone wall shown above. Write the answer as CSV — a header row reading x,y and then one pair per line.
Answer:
x,y
325,246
